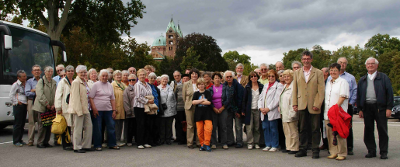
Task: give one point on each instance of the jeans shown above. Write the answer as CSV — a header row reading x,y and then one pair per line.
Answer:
x,y
19,112
219,122
110,127
271,135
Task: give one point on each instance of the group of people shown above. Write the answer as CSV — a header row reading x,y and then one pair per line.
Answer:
x,y
288,110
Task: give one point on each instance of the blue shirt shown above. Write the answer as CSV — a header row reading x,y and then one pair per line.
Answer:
x,y
30,84
352,84
57,79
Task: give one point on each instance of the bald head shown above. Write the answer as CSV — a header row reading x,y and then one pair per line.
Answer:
x,y
279,66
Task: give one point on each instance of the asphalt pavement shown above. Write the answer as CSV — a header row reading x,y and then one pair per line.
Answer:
x,y
179,155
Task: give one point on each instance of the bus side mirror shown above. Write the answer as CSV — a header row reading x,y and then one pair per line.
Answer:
x,y
65,56
7,42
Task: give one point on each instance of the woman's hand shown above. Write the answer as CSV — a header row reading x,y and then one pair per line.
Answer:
x,y
216,110
150,101
95,113
221,109
114,114
59,112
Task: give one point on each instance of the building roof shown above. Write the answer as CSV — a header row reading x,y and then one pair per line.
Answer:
x,y
160,41
176,29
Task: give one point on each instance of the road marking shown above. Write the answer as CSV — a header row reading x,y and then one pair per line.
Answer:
x,y
7,142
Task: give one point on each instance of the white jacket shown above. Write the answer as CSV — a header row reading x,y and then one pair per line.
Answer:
x,y
270,100
60,101
285,105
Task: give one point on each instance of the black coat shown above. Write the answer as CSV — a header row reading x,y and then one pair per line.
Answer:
x,y
247,98
383,91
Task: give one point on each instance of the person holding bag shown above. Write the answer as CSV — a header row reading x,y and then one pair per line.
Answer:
x,y
168,103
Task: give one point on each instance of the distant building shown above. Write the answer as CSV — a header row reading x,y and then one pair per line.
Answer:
x,y
165,46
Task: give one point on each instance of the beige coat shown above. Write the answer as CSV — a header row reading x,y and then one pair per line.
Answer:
x,y
187,94
78,100
129,96
60,102
45,93
119,99
285,105
310,94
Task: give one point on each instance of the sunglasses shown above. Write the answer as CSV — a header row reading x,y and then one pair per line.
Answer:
x,y
254,76
131,80
228,76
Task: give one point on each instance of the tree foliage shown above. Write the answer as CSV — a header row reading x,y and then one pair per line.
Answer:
x,y
233,58
381,43
191,60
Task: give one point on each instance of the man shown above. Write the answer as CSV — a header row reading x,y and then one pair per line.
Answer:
x,y
308,94
30,92
180,117
185,78
60,69
352,99
132,70
375,101
264,74
232,93
110,75
187,71
296,65
177,80
325,144
258,71
242,79
279,66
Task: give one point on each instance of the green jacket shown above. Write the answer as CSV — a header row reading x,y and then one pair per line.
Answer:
x,y
45,93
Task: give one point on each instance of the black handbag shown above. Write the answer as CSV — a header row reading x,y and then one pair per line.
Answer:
x,y
164,106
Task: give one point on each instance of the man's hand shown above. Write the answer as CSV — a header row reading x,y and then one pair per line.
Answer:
x,y
295,108
48,107
150,101
360,113
315,108
95,113
388,113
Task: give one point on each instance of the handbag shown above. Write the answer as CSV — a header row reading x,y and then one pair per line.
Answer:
x,y
47,117
164,106
59,125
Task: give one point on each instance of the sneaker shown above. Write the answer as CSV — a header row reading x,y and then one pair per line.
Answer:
x,y
249,146
214,146
129,144
121,144
273,149
225,147
147,145
266,148
23,143
98,149
104,145
140,147
18,144
208,148
257,146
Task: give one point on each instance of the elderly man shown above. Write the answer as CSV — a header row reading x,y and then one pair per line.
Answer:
x,y
60,69
264,74
242,79
132,70
177,80
30,92
296,65
375,101
279,66
352,99
232,93
308,94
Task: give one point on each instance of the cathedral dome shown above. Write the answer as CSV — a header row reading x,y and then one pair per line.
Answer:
x,y
160,41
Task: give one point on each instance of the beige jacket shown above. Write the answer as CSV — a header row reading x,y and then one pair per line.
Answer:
x,y
78,100
60,102
310,94
285,105
119,99
187,94
45,93
150,109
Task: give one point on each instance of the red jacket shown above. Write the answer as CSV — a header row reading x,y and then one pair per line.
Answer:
x,y
340,120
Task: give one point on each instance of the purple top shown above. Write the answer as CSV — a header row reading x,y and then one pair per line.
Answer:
x,y
102,94
217,96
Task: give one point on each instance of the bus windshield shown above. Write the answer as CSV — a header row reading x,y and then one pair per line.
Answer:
x,y
29,48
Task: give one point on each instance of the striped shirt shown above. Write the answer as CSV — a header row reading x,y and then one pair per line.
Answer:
x,y
141,91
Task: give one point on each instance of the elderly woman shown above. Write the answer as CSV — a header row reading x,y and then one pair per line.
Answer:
x,y
44,104
102,102
219,114
336,92
281,79
282,138
119,88
79,108
189,88
154,121
141,90
290,118
61,104
125,75
268,105
19,101
207,78
92,75
168,103
250,111
130,121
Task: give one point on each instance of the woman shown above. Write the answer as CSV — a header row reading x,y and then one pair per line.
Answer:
x,y
142,89
219,115
336,92
281,79
119,88
154,121
102,102
168,103
290,117
207,79
130,121
80,112
187,92
92,75
203,115
44,104
250,111
282,139
268,105
125,75
19,101
61,104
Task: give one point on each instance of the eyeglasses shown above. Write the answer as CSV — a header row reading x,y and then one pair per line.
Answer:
x,y
368,64
264,69
254,76
271,76
130,80
296,67
59,70
306,59
228,76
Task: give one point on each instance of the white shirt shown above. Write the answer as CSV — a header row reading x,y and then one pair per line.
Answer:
x,y
255,94
333,91
195,89
307,74
372,76
239,78
17,93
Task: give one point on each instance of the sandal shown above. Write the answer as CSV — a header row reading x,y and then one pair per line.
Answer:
x,y
115,148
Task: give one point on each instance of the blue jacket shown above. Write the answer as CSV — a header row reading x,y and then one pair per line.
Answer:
x,y
247,98
232,101
383,91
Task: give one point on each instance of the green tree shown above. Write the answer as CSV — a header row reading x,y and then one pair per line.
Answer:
x,y
292,55
191,60
233,58
395,73
321,57
381,43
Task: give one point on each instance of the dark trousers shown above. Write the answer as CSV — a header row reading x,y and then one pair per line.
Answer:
x,y
140,125
19,112
180,134
44,132
350,138
64,138
166,129
152,133
130,126
306,118
219,123
282,139
372,113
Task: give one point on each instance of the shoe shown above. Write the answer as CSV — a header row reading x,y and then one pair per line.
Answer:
x,y
225,147
370,155
129,144
140,147
88,149
68,148
315,155
104,145
266,148
273,149
98,149
239,145
250,146
350,152
208,148
198,146
214,146
231,144
79,151
18,144
285,151
168,142
47,145
115,148
147,145
332,156
40,146
301,154
23,143
30,144
121,144
202,148
191,147
340,158
292,152
257,146
384,156
323,147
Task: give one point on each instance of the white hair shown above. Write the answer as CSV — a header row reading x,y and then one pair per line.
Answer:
x,y
103,71
90,72
177,72
256,69
61,65
342,58
263,64
370,58
296,62
48,68
165,76
80,68
233,73
132,75
240,64
69,68
125,72
280,72
152,75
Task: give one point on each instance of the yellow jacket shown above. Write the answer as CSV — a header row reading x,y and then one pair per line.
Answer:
x,y
119,99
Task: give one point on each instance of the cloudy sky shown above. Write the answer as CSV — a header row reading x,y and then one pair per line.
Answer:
x,y
264,30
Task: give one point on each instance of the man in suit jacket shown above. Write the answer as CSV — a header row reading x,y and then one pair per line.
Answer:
x,y
308,95
242,79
